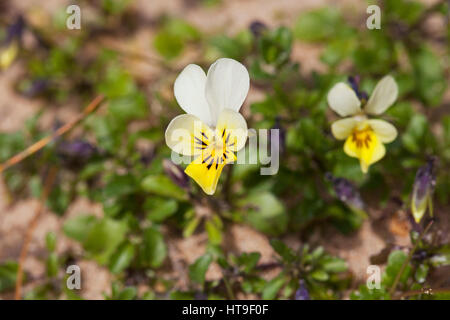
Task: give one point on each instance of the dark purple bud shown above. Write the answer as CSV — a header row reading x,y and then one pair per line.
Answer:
x,y
355,83
420,255
76,153
346,191
363,96
200,296
302,292
15,31
423,188
257,28
36,87
147,156
176,173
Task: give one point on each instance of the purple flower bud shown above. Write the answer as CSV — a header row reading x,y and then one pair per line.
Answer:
x,y
257,28
302,292
36,87
176,173
76,153
147,156
423,188
15,31
355,83
346,192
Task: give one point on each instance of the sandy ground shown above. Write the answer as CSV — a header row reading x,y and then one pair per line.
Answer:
x,y
229,17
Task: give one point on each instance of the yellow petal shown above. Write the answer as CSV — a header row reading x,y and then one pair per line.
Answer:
x,y
343,100
206,169
8,55
385,131
341,129
366,146
383,96
188,135
232,130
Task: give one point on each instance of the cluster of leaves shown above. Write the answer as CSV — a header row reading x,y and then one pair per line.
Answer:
x,y
144,206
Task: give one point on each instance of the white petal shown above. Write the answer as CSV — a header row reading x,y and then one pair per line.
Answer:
x,y
385,131
232,129
183,132
189,90
341,129
227,85
343,100
383,96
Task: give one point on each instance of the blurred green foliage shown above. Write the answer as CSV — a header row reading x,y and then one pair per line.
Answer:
x,y
144,207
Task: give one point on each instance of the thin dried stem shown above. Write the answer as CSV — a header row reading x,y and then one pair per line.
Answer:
x,y
29,233
45,141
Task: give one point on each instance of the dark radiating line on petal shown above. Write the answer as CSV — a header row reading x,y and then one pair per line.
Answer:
x,y
206,159
203,134
210,164
228,137
199,141
223,132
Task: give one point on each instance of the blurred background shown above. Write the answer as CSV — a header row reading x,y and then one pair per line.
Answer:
x,y
107,198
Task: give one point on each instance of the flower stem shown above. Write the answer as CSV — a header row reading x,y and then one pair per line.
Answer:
x,y
408,259
46,140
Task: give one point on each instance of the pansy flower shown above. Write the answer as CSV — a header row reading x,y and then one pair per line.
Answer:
x,y
213,130
364,137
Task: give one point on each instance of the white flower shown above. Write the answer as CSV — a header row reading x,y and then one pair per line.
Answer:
x,y
213,129
364,137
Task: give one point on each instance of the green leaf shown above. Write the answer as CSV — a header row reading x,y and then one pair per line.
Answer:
x,y
395,262
272,287
122,258
333,264
276,46
50,241
182,29
128,293
129,107
249,260
153,250
191,226
160,209
8,271
163,186
265,213
78,227
429,75
413,137
319,275
421,273
167,44
320,24
283,250
236,48
104,237
213,228
197,270
52,265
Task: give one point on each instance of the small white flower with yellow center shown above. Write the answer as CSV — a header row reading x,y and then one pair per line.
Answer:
x,y
213,130
363,137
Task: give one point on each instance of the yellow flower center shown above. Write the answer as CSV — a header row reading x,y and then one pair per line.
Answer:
x,y
362,138
364,144
216,153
